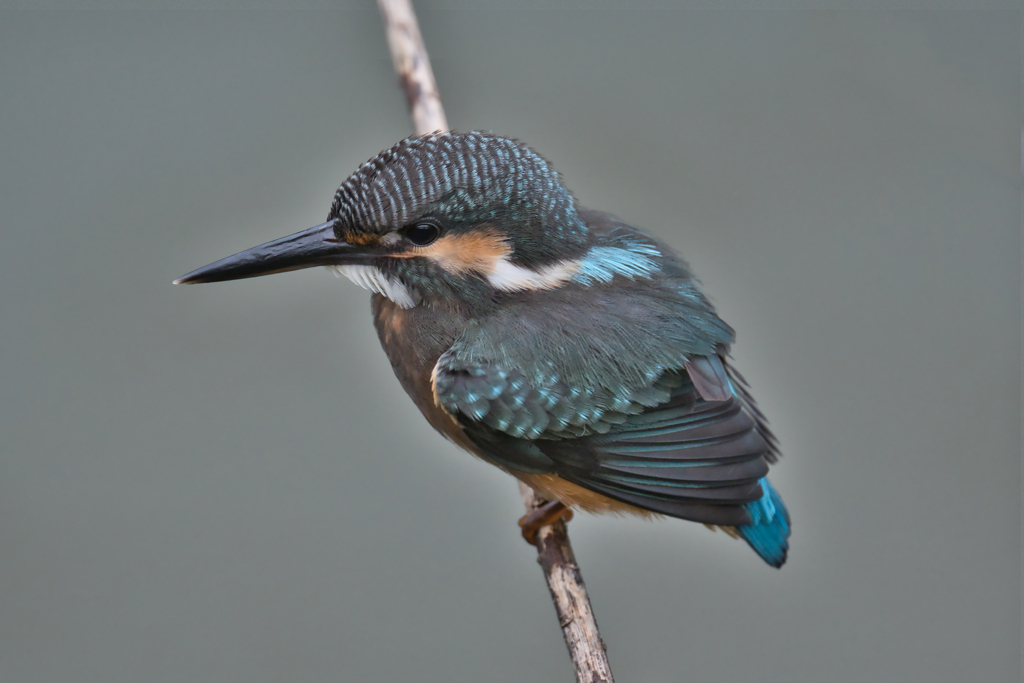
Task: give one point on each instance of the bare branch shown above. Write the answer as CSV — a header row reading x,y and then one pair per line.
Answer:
x,y
575,616
413,66
554,552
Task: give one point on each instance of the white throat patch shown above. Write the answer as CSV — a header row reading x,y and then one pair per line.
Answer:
x,y
370,277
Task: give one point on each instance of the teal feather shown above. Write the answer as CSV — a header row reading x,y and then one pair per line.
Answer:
x,y
768,534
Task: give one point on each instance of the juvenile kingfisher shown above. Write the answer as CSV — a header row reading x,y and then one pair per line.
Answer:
x,y
557,343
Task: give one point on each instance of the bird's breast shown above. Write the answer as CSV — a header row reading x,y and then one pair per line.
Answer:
x,y
413,339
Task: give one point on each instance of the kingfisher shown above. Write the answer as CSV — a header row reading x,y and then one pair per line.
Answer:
x,y
558,343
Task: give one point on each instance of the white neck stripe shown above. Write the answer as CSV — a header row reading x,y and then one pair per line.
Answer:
x,y
509,277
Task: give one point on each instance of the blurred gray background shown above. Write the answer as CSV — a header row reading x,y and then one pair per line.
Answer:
x,y
226,483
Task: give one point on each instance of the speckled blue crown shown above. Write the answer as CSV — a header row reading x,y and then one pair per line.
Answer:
x,y
463,176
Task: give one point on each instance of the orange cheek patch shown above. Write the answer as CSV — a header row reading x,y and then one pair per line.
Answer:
x,y
477,252
364,239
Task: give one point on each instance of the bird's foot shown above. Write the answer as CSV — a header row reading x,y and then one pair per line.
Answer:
x,y
548,513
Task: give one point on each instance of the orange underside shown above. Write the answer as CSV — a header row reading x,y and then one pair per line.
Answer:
x,y
554,487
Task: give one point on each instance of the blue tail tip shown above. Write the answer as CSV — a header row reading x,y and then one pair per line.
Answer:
x,y
768,532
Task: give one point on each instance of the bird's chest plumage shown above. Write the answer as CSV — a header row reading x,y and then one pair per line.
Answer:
x,y
413,339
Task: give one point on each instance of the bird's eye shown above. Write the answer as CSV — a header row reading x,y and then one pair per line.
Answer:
x,y
422,234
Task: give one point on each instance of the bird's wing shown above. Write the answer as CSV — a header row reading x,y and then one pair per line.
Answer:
x,y
688,457
635,404
576,366
631,404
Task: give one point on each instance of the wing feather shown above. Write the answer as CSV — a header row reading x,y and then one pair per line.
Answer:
x,y
621,405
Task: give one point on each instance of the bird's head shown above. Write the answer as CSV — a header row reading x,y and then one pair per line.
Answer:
x,y
440,218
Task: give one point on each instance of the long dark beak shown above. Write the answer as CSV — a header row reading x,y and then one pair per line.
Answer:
x,y
317,246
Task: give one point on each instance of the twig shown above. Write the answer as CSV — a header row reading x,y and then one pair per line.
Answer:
x,y
413,66
554,552
575,616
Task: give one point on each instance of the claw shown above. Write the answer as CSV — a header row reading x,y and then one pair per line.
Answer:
x,y
546,514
